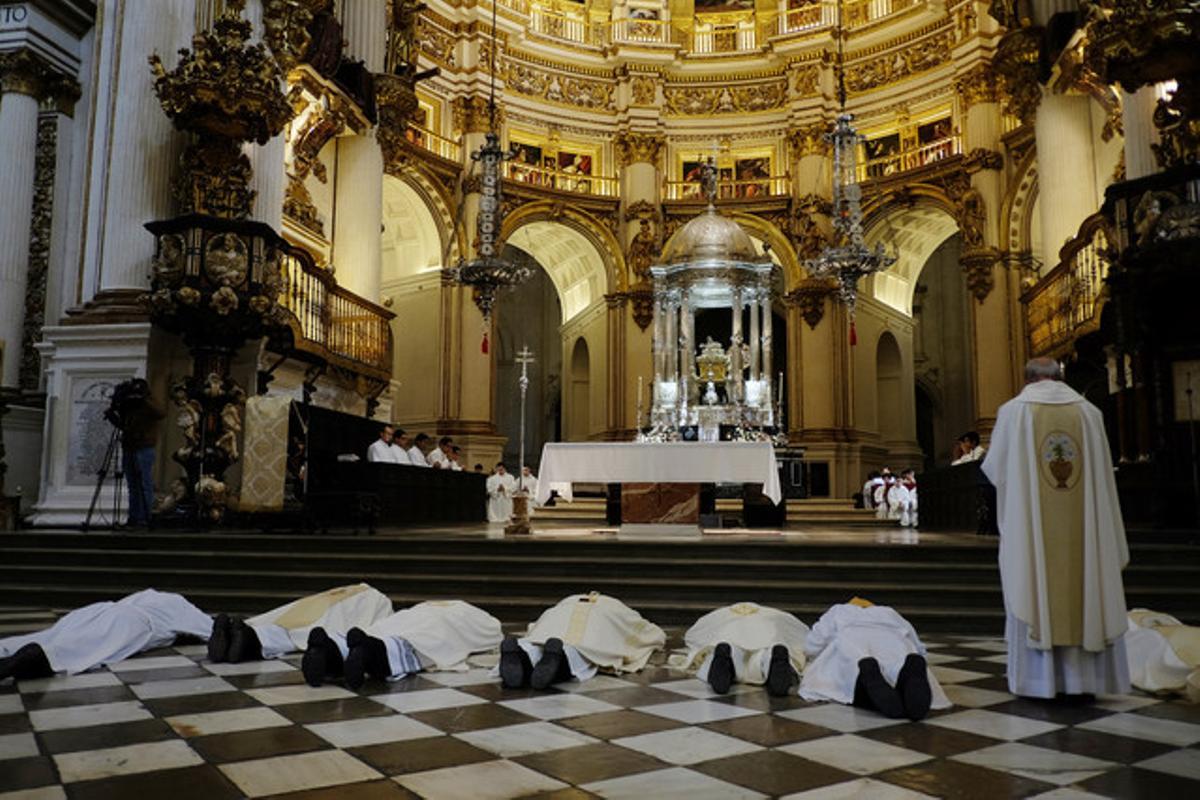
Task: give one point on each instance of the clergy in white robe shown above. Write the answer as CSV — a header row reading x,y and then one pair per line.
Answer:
x,y
434,635
887,500
381,450
286,629
905,496
528,482
108,632
500,489
750,633
575,638
1163,653
1062,541
847,634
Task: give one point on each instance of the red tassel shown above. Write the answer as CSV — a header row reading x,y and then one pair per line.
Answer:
x,y
483,348
853,334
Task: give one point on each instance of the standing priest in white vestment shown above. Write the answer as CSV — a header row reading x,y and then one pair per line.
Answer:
x,y
1062,541
501,487
747,643
103,633
576,637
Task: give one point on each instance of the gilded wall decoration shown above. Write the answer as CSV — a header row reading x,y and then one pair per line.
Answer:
x,y
436,43
644,90
808,140
807,234
809,298
977,85
298,206
39,251
471,114
286,28
565,89
807,80
980,159
694,101
638,148
978,268
1016,63
899,63
972,219
23,72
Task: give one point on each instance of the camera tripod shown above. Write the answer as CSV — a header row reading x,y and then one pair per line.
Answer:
x,y
112,463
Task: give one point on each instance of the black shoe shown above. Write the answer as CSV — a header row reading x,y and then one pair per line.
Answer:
x,y
355,637
243,644
368,657
913,685
781,676
322,659
552,668
720,670
879,695
28,663
218,640
515,666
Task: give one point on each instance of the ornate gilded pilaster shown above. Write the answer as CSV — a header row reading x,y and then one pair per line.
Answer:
x,y
1016,64
22,72
39,251
471,114
982,158
638,148
808,140
977,85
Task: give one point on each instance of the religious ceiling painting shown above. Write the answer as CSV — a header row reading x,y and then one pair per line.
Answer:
x,y
548,162
739,175
883,155
722,6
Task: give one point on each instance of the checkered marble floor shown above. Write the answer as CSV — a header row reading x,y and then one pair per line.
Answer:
x,y
168,724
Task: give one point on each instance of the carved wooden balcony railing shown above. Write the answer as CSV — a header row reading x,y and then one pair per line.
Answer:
x,y
773,186
435,143
563,179
330,323
1065,303
908,160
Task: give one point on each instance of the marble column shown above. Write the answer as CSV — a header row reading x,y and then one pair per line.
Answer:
x,y
1066,186
358,215
364,24
766,366
687,349
1137,116
755,340
20,84
736,382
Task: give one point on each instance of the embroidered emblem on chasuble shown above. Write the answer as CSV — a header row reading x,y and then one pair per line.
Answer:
x,y
1058,432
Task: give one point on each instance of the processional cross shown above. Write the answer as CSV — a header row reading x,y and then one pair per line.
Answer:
x,y
524,358
519,524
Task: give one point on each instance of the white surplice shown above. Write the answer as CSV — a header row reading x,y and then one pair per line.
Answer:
x,y
751,631
285,629
500,489
1163,654
846,634
442,632
381,452
416,457
105,633
597,631
1019,466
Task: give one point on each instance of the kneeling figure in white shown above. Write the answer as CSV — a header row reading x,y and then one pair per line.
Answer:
x,y
103,633
870,656
746,643
576,637
434,635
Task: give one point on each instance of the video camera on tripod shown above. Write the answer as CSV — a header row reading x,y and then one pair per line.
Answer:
x,y
125,397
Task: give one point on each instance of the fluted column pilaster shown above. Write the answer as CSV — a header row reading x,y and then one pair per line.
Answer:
x,y
357,243
18,132
364,24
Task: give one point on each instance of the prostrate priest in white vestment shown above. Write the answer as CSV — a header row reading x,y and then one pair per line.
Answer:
x,y
1163,653
576,637
500,490
1062,541
286,629
434,635
746,643
103,633
870,656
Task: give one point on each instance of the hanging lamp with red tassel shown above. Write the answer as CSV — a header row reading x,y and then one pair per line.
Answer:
x,y
853,334
483,346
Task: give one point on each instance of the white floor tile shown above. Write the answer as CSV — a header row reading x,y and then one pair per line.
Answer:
x,y
92,765
559,706
372,730
427,700
266,776
489,780
1067,794
686,746
40,793
512,741
85,680
1125,702
855,754
669,784
838,717
52,719
158,662
693,687
249,667
948,675
933,658
1037,763
181,688
238,719
993,646
861,789
600,683
971,697
17,745
11,704
1167,731
696,712
1184,763
472,677
993,724
285,695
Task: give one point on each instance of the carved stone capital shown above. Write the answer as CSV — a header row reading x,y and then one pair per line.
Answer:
x,y
638,148
977,85
1016,63
471,114
808,140
978,265
980,159
809,298
22,72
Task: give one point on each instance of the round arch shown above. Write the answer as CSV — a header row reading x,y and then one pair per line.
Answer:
x,y
1020,226
585,226
438,201
913,231
889,373
579,425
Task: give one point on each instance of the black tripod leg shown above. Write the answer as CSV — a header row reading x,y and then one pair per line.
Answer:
x,y
101,475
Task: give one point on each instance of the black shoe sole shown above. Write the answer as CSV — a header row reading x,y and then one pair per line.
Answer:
x,y
720,671
914,688
218,640
780,676
546,671
514,665
354,670
884,698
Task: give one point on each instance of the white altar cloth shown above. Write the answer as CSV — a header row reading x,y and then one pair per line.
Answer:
x,y
666,462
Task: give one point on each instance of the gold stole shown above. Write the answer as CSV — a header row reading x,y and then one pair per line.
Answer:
x,y
1058,437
